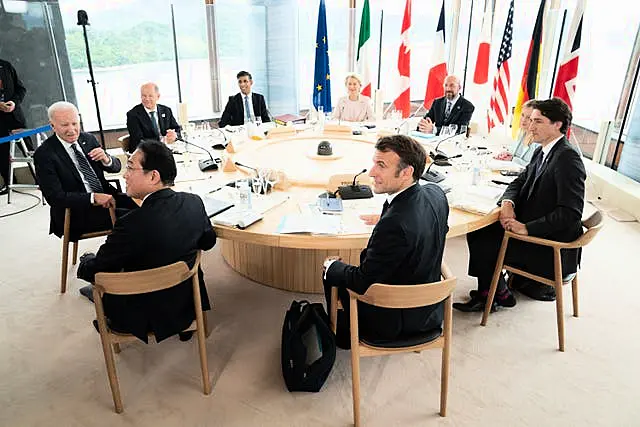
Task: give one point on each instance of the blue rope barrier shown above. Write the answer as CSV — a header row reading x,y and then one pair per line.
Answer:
x,y
24,134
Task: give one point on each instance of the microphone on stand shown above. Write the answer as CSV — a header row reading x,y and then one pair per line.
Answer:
x,y
204,164
434,176
224,144
439,155
410,117
355,191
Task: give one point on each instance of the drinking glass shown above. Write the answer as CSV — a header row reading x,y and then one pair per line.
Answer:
x,y
258,121
272,178
464,130
256,185
453,129
445,131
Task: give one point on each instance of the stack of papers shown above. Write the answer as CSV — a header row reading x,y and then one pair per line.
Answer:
x,y
310,223
480,199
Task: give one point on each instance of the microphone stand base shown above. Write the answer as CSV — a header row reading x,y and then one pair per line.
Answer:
x,y
352,192
206,165
433,176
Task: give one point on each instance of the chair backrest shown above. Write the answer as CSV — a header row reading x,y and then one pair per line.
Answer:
x,y
593,224
281,131
336,181
408,296
144,281
124,142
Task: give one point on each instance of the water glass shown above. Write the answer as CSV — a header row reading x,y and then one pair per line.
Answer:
x,y
256,185
453,129
258,121
463,130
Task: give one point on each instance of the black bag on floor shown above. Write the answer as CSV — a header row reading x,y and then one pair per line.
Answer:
x,y
308,347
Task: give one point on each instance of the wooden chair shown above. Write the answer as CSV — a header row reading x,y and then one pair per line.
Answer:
x,y
593,224
124,143
391,296
65,244
140,282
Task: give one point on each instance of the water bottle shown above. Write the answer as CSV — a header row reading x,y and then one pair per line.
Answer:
x,y
475,173
244,191
320,119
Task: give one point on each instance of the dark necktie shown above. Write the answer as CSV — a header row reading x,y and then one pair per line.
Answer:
x,y
247,109
447,110
154,123
385,206
87,171
537,164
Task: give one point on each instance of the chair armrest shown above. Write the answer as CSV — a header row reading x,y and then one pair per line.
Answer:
x,y
537,240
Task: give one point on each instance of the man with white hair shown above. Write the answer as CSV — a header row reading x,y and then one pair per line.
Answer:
x,y
70,167
451,109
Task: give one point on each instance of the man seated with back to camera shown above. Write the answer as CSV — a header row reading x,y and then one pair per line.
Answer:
x,y
546,200
245,106
451,109
168,227
405,248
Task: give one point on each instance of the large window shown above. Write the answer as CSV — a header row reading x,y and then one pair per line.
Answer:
x,y
131,43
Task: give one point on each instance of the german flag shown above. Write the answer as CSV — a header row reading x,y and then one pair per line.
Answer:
x,y
529,85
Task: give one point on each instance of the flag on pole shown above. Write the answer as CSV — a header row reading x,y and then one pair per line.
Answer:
x,y
565,87
499,103
529,84
481,75
403,101
438,71
364,50
321,80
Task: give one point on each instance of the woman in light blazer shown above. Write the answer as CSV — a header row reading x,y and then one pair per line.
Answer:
x,y
354,107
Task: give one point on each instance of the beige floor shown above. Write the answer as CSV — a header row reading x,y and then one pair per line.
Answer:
x,y
52,371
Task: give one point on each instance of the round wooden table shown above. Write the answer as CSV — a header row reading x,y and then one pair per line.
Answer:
x,y
293,262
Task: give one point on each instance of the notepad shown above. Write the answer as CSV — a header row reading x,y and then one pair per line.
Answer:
x,y
215,206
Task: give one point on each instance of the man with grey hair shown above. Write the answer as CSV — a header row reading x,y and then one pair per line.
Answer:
x,y
70,167
150,120
451,109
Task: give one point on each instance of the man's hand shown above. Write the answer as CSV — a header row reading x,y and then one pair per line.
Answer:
x,y
371,219
105,200
9,106
171,136
99,155
515,226
425,125
506,213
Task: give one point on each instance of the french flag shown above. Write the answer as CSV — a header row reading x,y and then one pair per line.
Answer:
x,y
438,71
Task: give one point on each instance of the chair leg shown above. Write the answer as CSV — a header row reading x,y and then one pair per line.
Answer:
x,y
494,281
116,348
204,366
64,269
574,292
355,360
74,260
559,304
446,354
111,373
333,316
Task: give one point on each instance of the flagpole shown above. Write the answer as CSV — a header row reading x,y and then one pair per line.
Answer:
x,y
555,65
466,60
380,47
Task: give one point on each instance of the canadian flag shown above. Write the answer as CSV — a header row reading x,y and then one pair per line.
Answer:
x,y
481,75
403,101
438,71
364,49
565,87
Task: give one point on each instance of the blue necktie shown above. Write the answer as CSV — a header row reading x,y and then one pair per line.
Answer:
x,y
154,123
87,171
247,109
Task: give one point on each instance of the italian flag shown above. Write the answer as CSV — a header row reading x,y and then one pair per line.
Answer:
x,y
364,49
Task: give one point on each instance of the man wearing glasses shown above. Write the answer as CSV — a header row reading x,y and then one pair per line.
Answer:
x,y
168,227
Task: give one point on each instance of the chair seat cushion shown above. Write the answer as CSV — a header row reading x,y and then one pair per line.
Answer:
x,y
405,341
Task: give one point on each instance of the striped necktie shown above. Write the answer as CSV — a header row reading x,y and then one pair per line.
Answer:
x,y
86,170
447,110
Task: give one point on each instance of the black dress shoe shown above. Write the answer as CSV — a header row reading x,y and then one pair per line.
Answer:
x,y
87,291
537,291
475,304
508,301
185,336
4,190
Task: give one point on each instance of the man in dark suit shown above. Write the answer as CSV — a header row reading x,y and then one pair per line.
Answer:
x,y
150,120
451,109
546,200
12,92
70,167
245,106
405,247
168,227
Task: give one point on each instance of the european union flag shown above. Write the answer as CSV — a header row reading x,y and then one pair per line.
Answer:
x,y
322,82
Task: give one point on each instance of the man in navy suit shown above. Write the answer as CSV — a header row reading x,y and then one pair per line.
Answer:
x,y
150,120
245,106
451,109
405,248
546,200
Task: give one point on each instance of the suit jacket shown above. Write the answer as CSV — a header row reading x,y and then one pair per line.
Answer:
x,y
461,113
234,110
550,205
62,186
167,228
405,248
140,127
12,89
